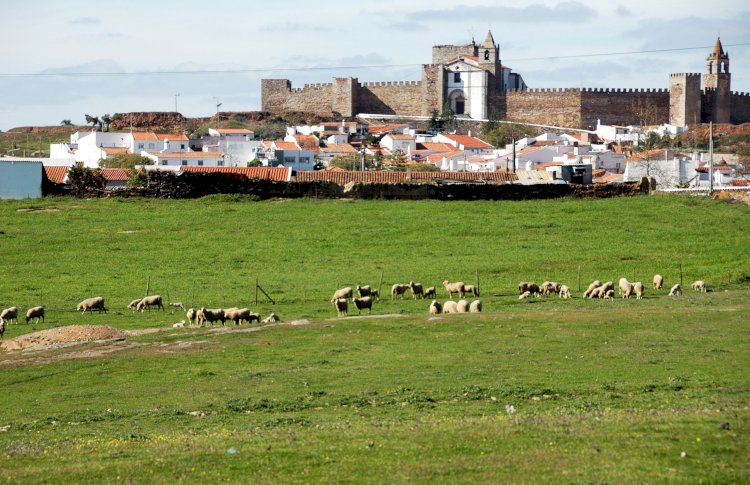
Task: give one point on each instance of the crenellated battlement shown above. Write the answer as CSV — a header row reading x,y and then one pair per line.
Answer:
x,y
684,74
378,84
742,94
594,90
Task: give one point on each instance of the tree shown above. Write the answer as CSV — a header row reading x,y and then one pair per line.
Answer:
x,y
106,121
352,162
66,123
85,181
398,161
645,112
125,160
94,120
504,133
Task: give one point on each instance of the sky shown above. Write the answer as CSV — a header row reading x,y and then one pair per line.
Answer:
x,y
62,60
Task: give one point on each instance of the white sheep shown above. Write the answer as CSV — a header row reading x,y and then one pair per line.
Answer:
x,y
471,289
91,304
436,308
342,306
475,306
179,324
594,284
457,287
192,314
430,292
698,285
526,294
547,287
176,305
416,290
238,315
363,302
398,289
133,305
639,289
272,318
35,312
623,287
462,306
658,281
148,301
345,293
597,292
449,307
9,314
211,315
565,292
676,290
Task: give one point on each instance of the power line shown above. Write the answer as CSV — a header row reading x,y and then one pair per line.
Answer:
x,y
337,68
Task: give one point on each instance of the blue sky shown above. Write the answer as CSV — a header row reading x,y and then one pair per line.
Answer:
x,y
47,44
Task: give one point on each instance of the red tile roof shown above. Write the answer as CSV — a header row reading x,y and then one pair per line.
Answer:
x,y
384,177
382,129
141,136
468,141
187,154
339,148
234,131
437,147
171,137
286,145
115,174
56,175
115,150
278,174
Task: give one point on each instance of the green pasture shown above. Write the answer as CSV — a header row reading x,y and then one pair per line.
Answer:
x,y
547,390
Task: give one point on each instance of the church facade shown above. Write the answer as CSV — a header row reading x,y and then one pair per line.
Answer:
x,y
471,80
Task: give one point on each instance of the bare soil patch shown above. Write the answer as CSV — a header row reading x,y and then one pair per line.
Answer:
x,y
63,335
39,209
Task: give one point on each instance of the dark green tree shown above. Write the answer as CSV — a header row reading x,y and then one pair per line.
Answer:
x,y
86,181
126,160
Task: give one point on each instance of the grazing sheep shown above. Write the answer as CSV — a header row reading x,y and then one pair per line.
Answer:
x,y
430,292
133,305
237,315
192,315
476,306
449,307
658,281
526,294
345,293
272,318
416,290
363,302
91,304
375,294
627,291
472,289
638,289
364,290
210,316
148,302
597,292
610,295
2,328
523,287
177,305
398,289
462,306
10,314
436,308
676,290
624,285
342,306
546,288
565,292
533,288
451,288
698,285
594,284
253,316
35,312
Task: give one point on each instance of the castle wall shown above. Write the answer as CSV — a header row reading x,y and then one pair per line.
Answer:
x,y
433,89
344,96
684,99
398,97
442,54
278,96
740,108
543,106
622,106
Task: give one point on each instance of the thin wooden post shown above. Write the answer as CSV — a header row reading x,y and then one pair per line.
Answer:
x,y
681,284
256,291
192,300
579,279
148,285
478,292
380,284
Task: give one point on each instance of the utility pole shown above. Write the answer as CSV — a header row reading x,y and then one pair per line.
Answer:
x,y
711,158
175,102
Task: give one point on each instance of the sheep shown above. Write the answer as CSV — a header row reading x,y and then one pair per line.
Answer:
x,y
436,308
133,305
416,290
523,287
638,289
627,290
473,289
476,306
364,290
533,288
272,318
565,292
345,293
177,305
449,307
375,294
610,295
10,314
526,294
624,285
2,328
91,304
451,288
597,292
149,301
462,306
238,315
192,315
430,292
363,302
594,284
398,289
698,285
342,306
676,290
35,312
179,324
210,316
547,287
658,281
609,285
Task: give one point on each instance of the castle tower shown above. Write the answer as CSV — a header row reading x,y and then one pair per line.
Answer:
x,y
716,85
685,99
489,57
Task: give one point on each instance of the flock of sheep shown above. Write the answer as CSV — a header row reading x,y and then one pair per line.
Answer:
x,y
606,290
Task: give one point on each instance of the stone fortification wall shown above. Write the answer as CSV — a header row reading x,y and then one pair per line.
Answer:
x,y
278,96
684,99
442,54
620,106
558,107
398,98
740,108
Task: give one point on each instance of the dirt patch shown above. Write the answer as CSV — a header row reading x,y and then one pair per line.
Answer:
x,y
33,209
132,231
63,335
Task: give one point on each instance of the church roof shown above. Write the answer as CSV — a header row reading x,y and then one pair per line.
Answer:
x,y
489,41
718,50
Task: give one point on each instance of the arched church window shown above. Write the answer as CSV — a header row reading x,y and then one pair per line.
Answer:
x,y
486,55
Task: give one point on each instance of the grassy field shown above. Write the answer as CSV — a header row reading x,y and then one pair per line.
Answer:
x,y
534,391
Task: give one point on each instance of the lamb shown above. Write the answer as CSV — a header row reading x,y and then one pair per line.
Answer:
x,y
35,312
698,285
624,285
416,290
272,318
610,295
476,306
192,315
375,294
462,306
364,290
363,302
658,281
149,301
210,316
451,288
9,314
430,292
91,304
398,289
639,290
594,284
449,307
342,306
179,324
676,290
345,293
436,308
473,289
177,305
526,294
523,287
565,292
133,305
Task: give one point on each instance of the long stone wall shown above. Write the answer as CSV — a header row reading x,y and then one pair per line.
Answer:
x,y
740,107
399,98
620,107
544,106
278,96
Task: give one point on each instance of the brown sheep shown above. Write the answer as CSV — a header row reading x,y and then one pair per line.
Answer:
x,y
451,288
398,289
210,316
364,290
148,301
9,314
35,312
658,281
91,304
345,293
416,290
430,292
342,306
523,287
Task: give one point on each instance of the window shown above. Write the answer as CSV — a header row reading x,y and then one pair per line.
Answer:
x,y
220,163
151,146
184,162
200,163
486,55
304,160
288,159
163,162
182,146
140,146
456,77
